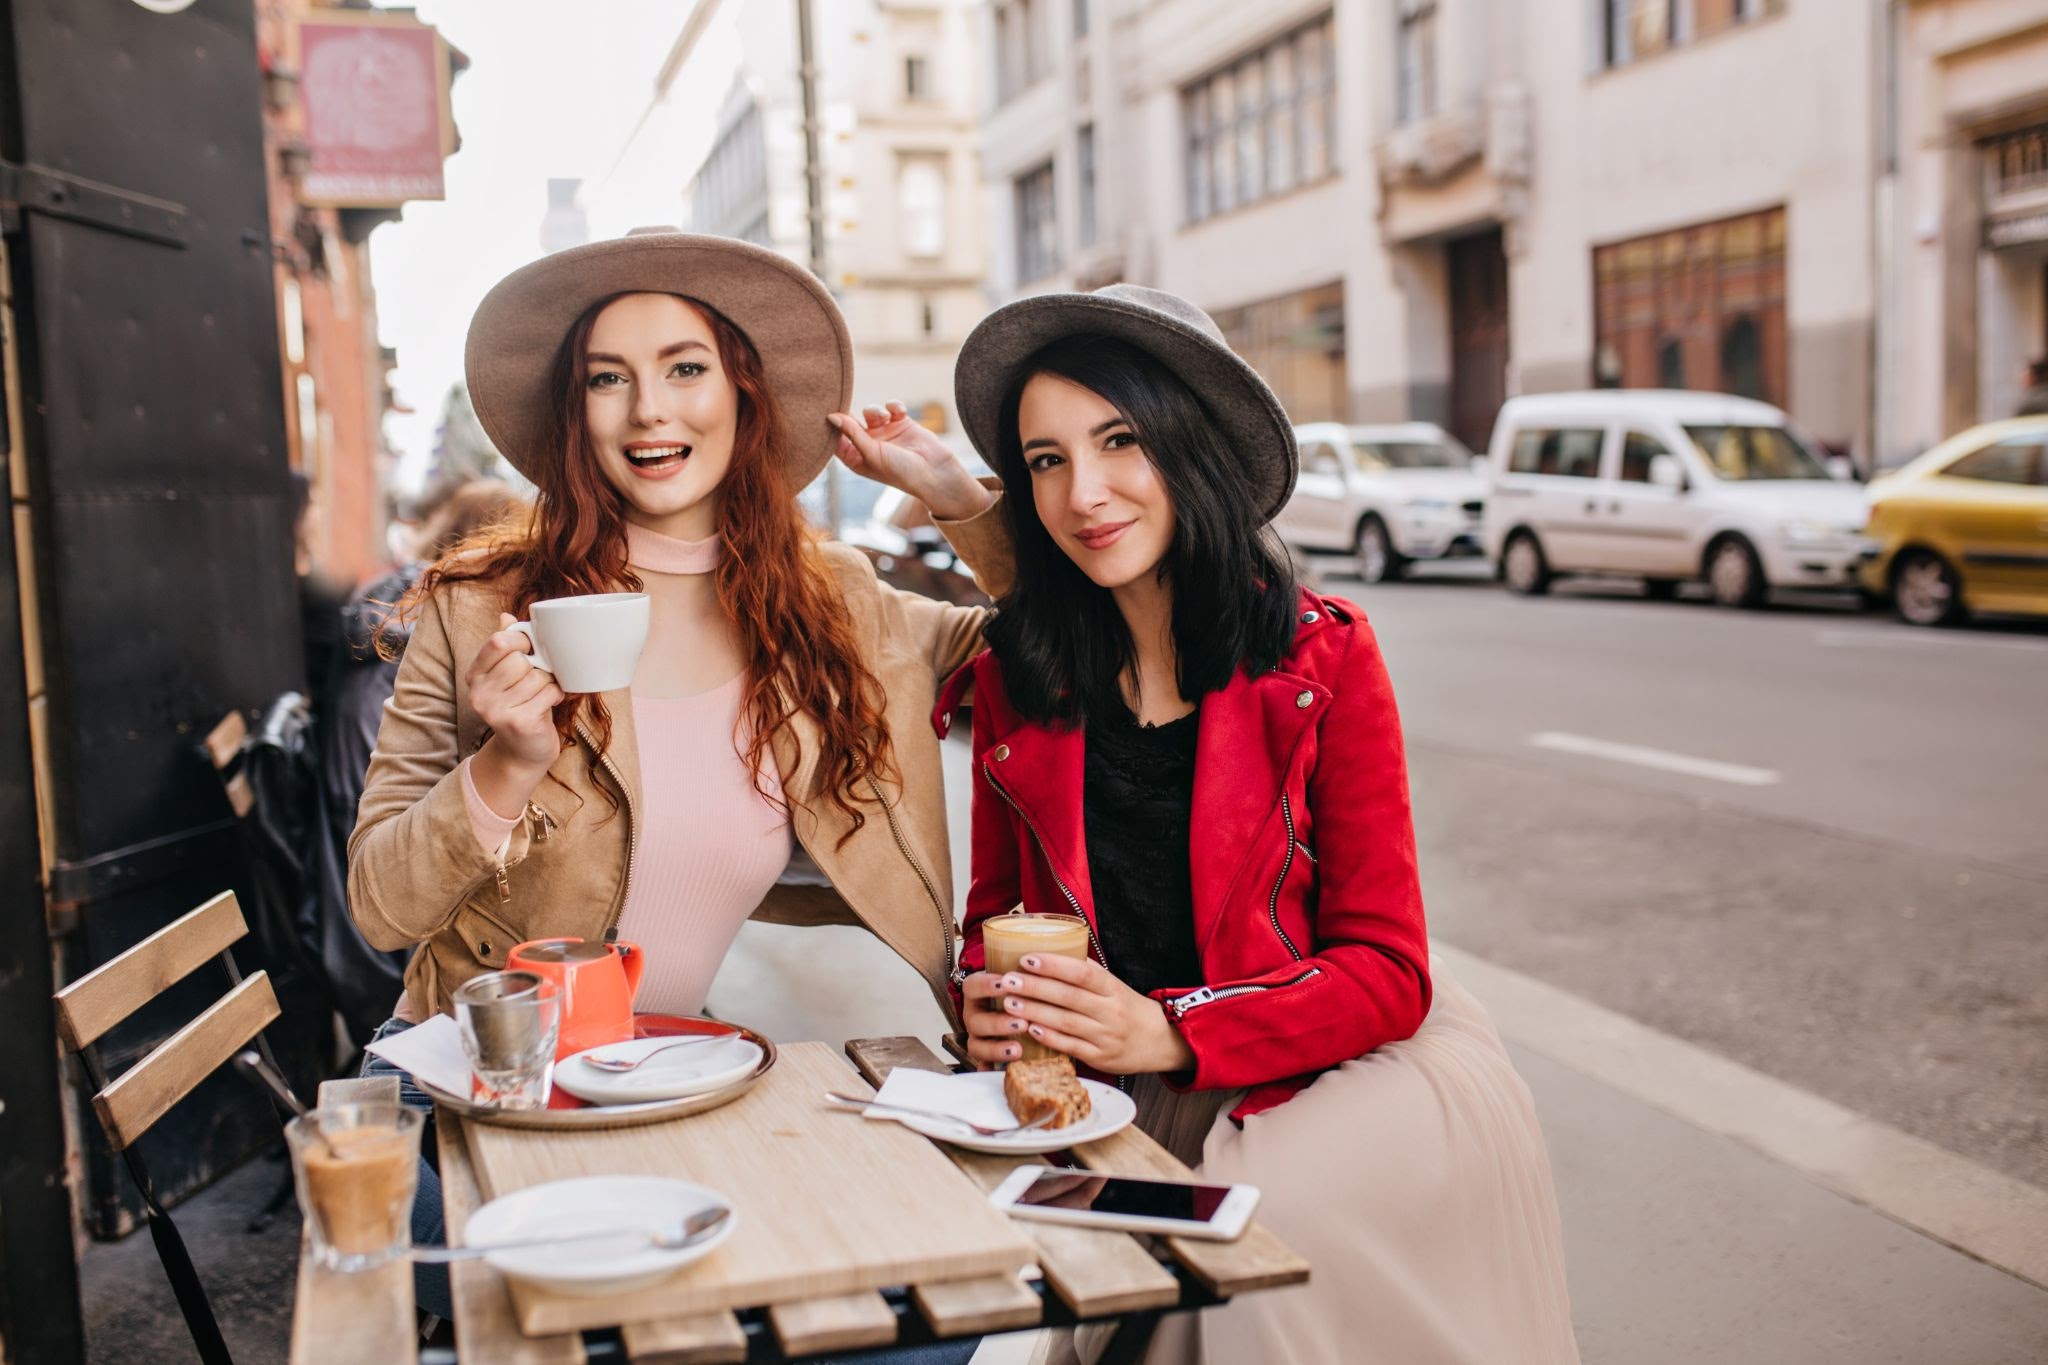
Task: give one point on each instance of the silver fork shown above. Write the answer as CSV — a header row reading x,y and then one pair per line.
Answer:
x,y
980,1129
628,1063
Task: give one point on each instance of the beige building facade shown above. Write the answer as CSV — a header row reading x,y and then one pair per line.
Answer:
x,y
1414,208
721,148
1969,211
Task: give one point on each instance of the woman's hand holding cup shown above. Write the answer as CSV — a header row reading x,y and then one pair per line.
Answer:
x,y
517,700
1070,1005
888,445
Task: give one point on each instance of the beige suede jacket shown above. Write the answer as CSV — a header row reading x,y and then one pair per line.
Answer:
x,y
417,876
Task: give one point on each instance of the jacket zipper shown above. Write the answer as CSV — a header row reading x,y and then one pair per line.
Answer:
x,y
903,847
1286,865
1180,1005
1122,1082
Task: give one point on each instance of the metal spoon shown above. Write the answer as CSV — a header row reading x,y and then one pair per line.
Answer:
x,y
628,1063
251,1064
674,1237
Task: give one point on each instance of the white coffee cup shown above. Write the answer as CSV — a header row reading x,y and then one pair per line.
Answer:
x,y
590,643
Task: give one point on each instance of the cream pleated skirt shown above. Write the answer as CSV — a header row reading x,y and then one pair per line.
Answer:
x,y
1415,1182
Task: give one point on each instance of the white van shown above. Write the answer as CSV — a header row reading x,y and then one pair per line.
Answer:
x,y
1388,495
1667,486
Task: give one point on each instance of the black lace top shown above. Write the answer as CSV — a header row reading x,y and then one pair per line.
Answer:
x,y
1137,794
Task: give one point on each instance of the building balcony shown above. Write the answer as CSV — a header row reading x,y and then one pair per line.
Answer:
x,y
1456,168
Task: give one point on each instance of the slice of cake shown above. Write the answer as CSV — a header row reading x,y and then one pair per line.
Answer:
x,y
1048,1086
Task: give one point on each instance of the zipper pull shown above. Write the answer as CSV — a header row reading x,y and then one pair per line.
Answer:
x,y
611,934
540,818
504,885
1183,1003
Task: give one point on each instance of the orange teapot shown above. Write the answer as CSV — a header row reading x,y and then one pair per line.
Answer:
x,y
596,980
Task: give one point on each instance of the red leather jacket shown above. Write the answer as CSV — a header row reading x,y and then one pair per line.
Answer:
x,y
1308,909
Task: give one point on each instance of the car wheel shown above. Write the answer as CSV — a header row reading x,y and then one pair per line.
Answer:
x,y
1660,589
1522,566
1733,574
1378,560
1925,590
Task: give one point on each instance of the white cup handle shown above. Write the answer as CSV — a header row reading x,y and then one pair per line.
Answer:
x,y
540,660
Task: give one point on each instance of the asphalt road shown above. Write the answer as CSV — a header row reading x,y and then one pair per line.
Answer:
x,y
1808,838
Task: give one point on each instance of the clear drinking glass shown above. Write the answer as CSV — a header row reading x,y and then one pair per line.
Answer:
x,y
357,1166
509,1023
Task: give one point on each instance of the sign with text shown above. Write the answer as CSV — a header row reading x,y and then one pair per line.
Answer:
x,y
375,92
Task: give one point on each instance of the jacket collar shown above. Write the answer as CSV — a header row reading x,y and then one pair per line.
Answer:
x,y
1249,734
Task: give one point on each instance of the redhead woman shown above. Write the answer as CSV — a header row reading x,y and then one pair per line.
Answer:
x,y
1175,741
668,395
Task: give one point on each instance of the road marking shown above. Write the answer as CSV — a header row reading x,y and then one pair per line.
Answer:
x,y
1871,639
1654,758
1981,1212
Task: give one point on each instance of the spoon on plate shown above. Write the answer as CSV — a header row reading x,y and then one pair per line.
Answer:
x,y
672,1237
628,1063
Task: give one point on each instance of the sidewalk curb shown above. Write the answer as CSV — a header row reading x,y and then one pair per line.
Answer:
x,y
1978,1211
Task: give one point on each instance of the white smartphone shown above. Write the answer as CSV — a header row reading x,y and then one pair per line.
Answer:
x,y
1129,1203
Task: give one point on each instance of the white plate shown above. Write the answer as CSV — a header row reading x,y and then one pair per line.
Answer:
x,y
589,1204
688,1070
1109,1111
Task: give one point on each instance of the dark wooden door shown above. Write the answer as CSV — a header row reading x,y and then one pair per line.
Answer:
x,y
1478,268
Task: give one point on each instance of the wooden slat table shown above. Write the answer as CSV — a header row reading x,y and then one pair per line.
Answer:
x,y
898,1296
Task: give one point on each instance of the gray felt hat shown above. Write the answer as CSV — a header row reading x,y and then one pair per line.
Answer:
x,y
788,315
1166,326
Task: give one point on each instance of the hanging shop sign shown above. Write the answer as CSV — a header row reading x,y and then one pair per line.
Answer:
x,y
378,126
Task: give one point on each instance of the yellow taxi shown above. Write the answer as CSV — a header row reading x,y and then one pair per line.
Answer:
x,y
1964,527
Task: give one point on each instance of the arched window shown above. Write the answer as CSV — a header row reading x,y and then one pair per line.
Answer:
x,y
1670,364
1742,357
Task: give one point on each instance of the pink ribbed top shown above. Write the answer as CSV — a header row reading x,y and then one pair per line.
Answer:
x,y
710,843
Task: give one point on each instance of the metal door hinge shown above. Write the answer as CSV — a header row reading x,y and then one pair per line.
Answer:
x,y
35,189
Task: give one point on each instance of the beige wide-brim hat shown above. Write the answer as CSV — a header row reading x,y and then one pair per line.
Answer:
x,y
785,311
1166,326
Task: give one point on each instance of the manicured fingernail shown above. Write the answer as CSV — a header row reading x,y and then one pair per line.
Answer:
x,y
1013,982
1012,1051
1016,1024
1013,1003
1037,1032
1030,964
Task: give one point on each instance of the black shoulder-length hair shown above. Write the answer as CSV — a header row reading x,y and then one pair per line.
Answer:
x,y
1060,638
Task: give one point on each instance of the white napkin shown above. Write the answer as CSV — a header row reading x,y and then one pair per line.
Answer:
x,y
432,1052
975,1097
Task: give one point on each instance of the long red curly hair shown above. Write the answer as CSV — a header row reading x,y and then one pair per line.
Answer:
x,y
773,583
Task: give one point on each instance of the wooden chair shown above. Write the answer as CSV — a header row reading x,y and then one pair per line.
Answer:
x,y
131,1103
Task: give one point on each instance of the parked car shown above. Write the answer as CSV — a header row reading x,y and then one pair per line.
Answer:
x,y
1965,527
910,553
1388,495
1668,487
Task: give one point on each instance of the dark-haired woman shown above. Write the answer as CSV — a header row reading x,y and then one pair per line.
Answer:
x,y
1175,741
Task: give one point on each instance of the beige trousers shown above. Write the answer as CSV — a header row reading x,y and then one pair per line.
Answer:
x,y
1415,1182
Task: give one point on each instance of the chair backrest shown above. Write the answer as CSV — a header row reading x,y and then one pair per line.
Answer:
x,y
224,746
103,997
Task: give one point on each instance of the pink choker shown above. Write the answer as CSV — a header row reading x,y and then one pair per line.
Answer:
x,y
657,553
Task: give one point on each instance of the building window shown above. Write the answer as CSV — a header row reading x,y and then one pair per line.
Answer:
x,y
921,205
1038,234
917,78
927,315
1023,53
1296,342
1080,18
730,194
1263,124
1700,307
1084,160
1415,51
1631,30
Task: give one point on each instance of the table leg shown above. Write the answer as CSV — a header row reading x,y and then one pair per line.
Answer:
x,y
1132,1338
